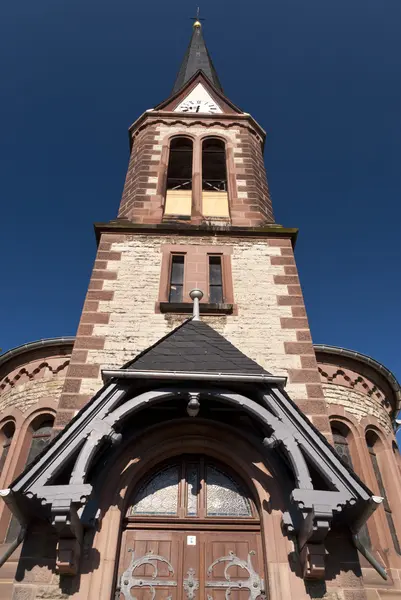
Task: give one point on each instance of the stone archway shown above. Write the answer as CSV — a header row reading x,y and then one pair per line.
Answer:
x,y
191,531
142,456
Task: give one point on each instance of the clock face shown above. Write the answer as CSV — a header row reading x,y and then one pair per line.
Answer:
x,y
197,106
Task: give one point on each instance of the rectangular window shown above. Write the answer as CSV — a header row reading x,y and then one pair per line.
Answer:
x,y
176,278
215,280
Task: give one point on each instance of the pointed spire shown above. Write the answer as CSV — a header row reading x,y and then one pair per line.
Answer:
x,y
196,58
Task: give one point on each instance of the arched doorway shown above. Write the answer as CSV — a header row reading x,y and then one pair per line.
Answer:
x,y
191,532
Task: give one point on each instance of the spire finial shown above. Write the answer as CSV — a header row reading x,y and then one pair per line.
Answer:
x,y
196,59
197,19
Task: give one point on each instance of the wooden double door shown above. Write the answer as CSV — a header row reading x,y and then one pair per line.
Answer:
x,y
190,564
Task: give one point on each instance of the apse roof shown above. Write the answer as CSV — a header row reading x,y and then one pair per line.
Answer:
x,y
195,346
197,58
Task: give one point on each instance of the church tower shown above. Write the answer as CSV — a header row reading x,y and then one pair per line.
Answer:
x,y
195,213
205,448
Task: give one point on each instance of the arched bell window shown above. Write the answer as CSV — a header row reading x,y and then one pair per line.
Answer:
x,y
192,487
373,443
40,433
341,436
214,179
179,178
6,437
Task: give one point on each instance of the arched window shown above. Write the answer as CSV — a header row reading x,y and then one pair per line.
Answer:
x,y
340,435
214,179
191,494
191,487
340,438
372,442
40,431
6,438
397,456
179,178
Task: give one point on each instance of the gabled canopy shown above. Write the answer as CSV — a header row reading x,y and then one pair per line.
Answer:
x,y
197,58
195,368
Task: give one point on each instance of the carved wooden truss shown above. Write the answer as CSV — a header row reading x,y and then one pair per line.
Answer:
x,y
284,427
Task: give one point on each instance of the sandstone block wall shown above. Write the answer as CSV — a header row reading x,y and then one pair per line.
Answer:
x,y
357,404
37,380
362,393
31,380
362,399
119,319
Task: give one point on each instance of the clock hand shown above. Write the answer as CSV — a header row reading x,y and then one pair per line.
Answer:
x,y
197,108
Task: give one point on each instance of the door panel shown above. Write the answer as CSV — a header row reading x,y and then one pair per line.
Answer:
x,y
234,566
150,565
190,565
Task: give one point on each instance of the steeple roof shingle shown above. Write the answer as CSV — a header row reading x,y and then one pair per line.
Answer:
x,y
197,58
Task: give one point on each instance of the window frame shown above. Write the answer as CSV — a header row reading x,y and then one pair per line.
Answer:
x,y
6,441
196,275
12,527
173,150
379,477
223,152
343,431
196,213
183,462
209,284
225,194
170,275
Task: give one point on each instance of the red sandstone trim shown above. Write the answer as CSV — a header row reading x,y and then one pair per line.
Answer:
x,y
298,311
78,356
285,279
299,348
102,318
90,342
75,401
282,260
290,301
303,376
294,323
84,371
304,336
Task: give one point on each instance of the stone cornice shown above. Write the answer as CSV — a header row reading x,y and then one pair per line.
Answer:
x,y
381,370
225,120
126,227
44,344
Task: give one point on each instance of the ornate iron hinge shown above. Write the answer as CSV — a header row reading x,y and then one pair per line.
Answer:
x,y
128,581
254,583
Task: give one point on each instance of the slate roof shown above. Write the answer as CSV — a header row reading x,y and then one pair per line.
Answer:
x,y
197,58
197,347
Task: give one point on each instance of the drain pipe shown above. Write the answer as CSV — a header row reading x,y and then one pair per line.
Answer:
x,y
369,556
22,533
14,545
375,500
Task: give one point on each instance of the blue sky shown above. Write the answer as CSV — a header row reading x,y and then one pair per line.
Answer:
x,y
323,78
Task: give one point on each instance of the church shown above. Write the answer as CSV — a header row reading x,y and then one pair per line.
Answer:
x,y
191,442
